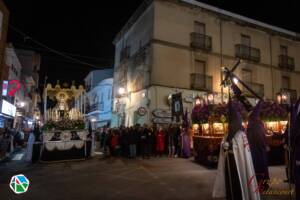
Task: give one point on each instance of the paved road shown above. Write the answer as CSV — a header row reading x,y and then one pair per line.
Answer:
x,y
156,178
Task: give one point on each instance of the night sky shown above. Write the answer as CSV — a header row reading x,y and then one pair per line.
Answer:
x,y
85,29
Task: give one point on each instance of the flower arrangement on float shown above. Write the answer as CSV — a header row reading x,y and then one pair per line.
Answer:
x,y
275,117
64,124
212,120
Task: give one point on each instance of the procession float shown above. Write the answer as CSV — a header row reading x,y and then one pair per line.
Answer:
x,y
275,118
64,136
210,124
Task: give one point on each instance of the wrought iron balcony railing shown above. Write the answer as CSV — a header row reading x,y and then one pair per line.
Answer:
x,y
286,62
201,82
201,41
92,108
247,53
256,87
88,88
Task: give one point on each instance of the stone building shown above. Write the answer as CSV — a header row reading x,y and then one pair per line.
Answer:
x,y
181,46
4,17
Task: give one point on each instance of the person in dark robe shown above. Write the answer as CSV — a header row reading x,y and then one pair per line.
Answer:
x,y
37,144
289,136
232,182
296,149
256,134
186,143
235,176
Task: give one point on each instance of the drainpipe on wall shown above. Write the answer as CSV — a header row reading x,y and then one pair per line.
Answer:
x,y
221,59
271,63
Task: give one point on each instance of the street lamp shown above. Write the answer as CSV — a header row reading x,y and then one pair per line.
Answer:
x,y
144,94
235,80
210,98
197,100
121,91
22,104
283,98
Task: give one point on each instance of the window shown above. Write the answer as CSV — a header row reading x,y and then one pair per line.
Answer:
x,y
283,50
247,75
200,67
101,106
199,28
246,40
101,97
109,94
1,23
285,82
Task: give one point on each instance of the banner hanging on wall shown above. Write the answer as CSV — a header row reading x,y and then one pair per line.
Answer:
x,y
177,108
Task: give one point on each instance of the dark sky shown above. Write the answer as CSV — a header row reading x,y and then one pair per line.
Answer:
x,y
87,28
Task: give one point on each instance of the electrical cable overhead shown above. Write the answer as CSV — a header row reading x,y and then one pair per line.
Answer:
x,y
51,49
20,45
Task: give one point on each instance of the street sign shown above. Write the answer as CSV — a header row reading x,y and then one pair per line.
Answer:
x,y
162,113
162,120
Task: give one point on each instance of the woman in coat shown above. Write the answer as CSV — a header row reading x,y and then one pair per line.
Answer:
x,y
160,141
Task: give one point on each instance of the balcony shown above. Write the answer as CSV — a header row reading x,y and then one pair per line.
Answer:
x,y
201,41
247,53
125,53
286,62
291,92
87,88
258,88
201,82
92,108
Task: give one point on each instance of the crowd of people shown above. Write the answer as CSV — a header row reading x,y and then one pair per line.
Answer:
x,y
145,141
9,140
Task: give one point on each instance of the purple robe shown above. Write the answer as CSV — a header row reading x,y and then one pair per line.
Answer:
x,y
296,135
256,134
186,149
186,143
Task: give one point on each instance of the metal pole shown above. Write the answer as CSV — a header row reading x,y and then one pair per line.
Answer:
x,y
45,99
289,154
221,60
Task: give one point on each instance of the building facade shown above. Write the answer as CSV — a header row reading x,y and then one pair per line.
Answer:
x,y
31,62
14,68
18,76
181,46
4,17
98,105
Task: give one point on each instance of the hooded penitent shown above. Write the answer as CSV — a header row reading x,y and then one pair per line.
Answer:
x,y
290,139
236,176
186,148
256,134
296,147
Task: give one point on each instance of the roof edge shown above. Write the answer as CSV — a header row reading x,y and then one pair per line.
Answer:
x,y
242,18
134,17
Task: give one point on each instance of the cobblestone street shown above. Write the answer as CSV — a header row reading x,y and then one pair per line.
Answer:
x,y
156,178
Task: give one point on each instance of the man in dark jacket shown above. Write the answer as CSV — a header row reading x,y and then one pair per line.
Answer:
x,y
145,142
132,140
